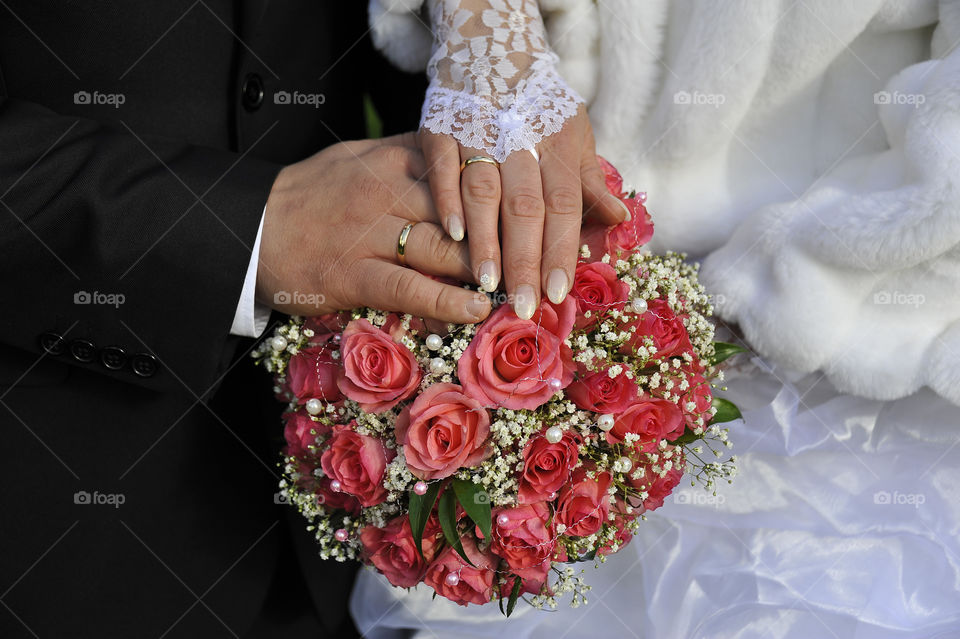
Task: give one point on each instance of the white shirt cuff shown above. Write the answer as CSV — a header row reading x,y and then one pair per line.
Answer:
x,y
251,318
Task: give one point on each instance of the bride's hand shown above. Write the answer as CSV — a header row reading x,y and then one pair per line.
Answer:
x,y
537,206
495,93
331,231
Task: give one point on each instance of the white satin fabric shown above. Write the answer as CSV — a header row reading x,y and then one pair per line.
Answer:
x,y
844,522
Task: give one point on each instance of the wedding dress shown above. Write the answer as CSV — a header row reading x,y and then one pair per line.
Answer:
x,y
809,152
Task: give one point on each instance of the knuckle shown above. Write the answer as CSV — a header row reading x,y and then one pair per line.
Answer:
x,y
524,263
371,188
524,205
394,155
563,201
482,189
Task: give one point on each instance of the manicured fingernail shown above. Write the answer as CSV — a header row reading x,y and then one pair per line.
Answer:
x,y
489,279
477,306
455,227
524,301
557,284
626,209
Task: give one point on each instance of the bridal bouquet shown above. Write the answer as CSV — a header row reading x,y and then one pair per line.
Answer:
x,y
485,461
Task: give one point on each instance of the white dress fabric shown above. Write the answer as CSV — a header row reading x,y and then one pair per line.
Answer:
x,y
843,523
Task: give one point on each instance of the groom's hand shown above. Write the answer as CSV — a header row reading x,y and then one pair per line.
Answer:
x,y
330,235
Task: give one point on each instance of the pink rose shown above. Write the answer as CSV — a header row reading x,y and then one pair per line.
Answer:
x,y
584,504
312,374
443,431
597,289
510,362
377,372
656,487
392,551
546,466
358,463
663,326
620,521
622,238
611,176
524,538
632,234
335,500
325,327
301,434
474,583
598,392
651,419
700,395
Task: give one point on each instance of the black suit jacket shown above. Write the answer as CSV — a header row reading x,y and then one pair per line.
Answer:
x,y
138,145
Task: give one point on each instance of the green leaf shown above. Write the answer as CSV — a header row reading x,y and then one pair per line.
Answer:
x,y
727,411
514,595
723,350
448,521
420,508
476,503
590,556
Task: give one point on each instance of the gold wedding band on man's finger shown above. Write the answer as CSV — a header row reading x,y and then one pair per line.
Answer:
x,y
402,243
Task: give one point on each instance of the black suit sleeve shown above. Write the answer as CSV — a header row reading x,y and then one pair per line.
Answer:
x,y
124,242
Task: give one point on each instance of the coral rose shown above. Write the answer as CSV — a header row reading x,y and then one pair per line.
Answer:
x,y
443,431
516,363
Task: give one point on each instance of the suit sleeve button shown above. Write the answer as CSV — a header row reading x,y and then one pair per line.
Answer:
x,y
52,343
113,357
83,350
144,364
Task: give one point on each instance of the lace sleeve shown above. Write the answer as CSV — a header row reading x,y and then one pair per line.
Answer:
x,y
494,84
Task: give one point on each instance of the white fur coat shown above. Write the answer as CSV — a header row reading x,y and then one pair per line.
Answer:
x,y
807,150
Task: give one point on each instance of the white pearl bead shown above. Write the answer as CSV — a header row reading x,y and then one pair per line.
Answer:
x,y
278,343
553,434
623,465
314,406
452,579
434,342
639,305
437,365
605,422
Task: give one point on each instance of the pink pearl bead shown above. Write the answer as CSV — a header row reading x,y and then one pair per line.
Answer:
x,y
452,579
642,196
551,496
554,383
341,534
336,486
420,488
336,338
503,520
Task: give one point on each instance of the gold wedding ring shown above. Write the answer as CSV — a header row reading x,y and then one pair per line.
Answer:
x,y
402,243
478,158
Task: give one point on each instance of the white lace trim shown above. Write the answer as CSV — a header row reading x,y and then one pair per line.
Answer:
x,y
493,79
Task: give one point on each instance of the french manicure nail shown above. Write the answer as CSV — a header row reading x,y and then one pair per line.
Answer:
x,y
489,279
524,301
557,285
623,206
455,227
477,306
